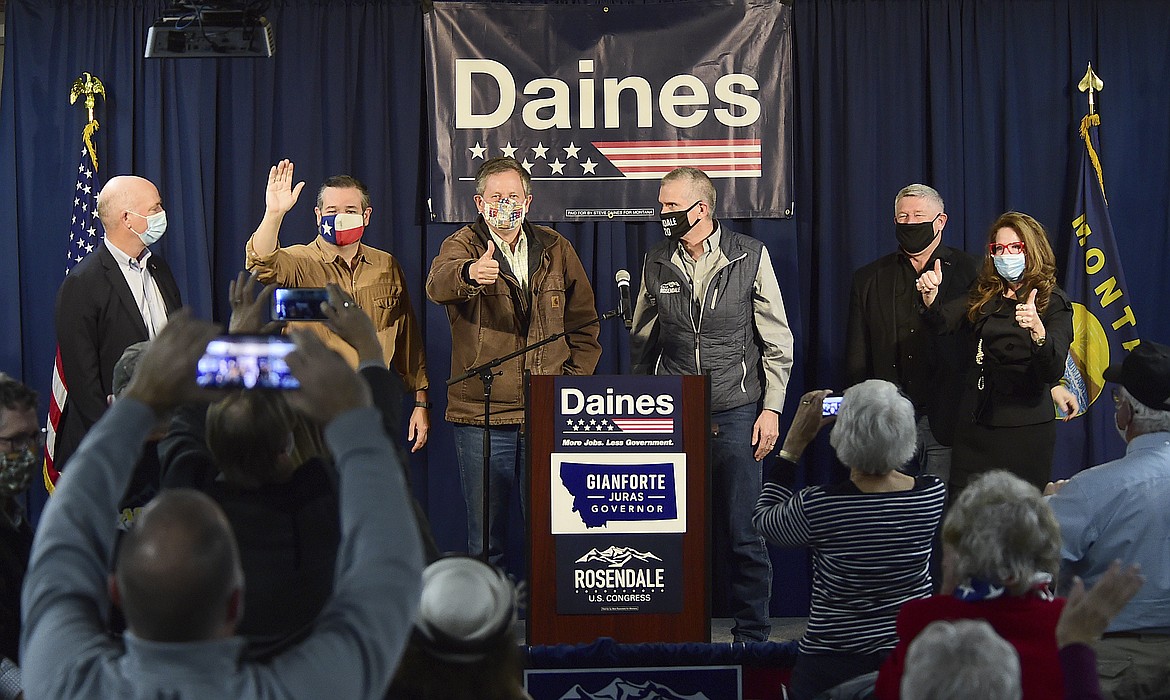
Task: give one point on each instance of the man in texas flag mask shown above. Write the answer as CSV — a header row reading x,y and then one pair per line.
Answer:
x,y
373,277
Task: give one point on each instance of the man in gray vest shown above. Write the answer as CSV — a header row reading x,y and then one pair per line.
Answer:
x,y
709,303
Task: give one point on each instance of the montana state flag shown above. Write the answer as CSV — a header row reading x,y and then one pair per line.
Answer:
x,y
1104,327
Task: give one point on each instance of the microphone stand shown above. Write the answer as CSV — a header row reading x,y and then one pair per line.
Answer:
x,y
487,374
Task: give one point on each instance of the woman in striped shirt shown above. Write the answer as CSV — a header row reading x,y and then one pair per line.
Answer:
x,y
871,535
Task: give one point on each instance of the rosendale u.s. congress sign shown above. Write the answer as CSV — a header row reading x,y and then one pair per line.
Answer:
x,y
598,102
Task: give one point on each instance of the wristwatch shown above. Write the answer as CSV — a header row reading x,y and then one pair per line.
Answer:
x,y
422,404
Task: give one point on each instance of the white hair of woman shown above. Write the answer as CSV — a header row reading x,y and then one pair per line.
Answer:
x,y
875,431
961,660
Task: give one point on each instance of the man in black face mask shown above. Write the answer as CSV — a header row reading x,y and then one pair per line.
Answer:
x,y
709,303
887,338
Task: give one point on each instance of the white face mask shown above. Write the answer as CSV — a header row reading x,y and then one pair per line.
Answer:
x,y
156,226
505,214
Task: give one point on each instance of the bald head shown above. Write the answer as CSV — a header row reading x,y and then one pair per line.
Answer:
x,y
178,576
123,205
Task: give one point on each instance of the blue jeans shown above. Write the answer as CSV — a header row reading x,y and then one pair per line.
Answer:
x,y
735,486
509,463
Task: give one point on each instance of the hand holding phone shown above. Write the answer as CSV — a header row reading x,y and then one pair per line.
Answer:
x,y
830,406
298,304
246,362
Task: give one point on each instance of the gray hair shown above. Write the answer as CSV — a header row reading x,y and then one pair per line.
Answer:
x,y
1001,530
961,660
919,190
699,185
875,431
496,166
1145,419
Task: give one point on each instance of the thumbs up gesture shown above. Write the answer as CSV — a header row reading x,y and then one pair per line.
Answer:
x,y
929,281
1028,318
485,270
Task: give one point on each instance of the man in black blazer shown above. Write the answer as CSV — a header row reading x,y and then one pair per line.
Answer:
x,y
887,338
118,295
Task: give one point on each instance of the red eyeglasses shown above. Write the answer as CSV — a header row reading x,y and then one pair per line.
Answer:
x,y
1006,248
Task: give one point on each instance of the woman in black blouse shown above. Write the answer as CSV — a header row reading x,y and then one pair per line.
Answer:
x,y
1020,326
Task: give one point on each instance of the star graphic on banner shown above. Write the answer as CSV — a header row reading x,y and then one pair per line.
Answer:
x,y
589,167
570,422
571,150
527,166
509,150
477,151
592,422
540,150
557,166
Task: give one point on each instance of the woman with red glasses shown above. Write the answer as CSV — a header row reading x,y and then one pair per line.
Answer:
x,y
1020,326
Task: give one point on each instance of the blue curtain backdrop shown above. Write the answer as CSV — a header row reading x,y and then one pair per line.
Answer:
x,y
976,98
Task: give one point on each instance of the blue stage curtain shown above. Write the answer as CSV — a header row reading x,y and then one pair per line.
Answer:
x,y
976,98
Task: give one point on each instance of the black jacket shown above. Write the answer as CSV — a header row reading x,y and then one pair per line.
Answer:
x,y
871,343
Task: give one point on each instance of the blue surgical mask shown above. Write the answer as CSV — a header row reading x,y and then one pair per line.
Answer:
x,y
156,226
1010,266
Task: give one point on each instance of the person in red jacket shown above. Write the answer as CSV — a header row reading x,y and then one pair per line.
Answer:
x,y
1001,544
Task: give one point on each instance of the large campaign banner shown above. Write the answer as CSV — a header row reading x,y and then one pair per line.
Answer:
x,y
599,101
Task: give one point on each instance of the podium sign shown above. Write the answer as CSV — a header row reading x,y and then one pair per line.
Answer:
x,y
618,509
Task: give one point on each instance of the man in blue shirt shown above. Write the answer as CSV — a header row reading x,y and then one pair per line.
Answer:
x,y
1121,510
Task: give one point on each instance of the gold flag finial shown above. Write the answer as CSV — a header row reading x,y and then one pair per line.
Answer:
x,y
90,86
1091,84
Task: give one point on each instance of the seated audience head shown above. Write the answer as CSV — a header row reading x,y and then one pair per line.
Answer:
x,y
250,435
1001,532
462,647
1143,399
875,430
961,660
125,366
21,438
178,576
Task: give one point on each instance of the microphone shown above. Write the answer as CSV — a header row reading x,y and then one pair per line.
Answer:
x,y
622,278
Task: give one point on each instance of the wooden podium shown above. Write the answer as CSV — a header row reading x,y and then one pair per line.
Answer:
x,y
619,524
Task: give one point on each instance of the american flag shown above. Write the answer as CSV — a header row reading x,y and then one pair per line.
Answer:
x,y
652,160
620,425
85,233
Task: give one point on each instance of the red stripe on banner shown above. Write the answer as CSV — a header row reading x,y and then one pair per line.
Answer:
x,y
660,144
616,158
709,168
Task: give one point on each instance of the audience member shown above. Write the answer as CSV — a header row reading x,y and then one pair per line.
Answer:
x,y
178,577
144,485
1121,510
961,660
462,647
260,463
1000,543
870,536
1084,619
21,440
1020,326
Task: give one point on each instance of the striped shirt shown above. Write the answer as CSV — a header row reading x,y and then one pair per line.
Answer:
x,y
871,554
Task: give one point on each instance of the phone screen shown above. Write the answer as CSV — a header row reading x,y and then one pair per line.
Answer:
x,y
298,304
831,405
246,362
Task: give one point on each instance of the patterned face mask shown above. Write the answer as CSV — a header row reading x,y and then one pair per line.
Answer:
x,y
505,214
16,469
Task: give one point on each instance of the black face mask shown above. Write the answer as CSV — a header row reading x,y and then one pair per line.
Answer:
x,y
914,238
675,224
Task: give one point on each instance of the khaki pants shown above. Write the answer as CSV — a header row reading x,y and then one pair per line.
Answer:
x,y
1134,667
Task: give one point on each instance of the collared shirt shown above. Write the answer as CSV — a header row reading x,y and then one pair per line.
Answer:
x,y
517,259
700,271
142,285
1121,510
376,283
916,365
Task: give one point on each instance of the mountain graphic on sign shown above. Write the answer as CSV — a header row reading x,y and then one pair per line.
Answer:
x,y
617,557
619,689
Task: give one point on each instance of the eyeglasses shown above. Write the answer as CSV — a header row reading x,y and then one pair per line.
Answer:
x,y
19,443
1005,248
